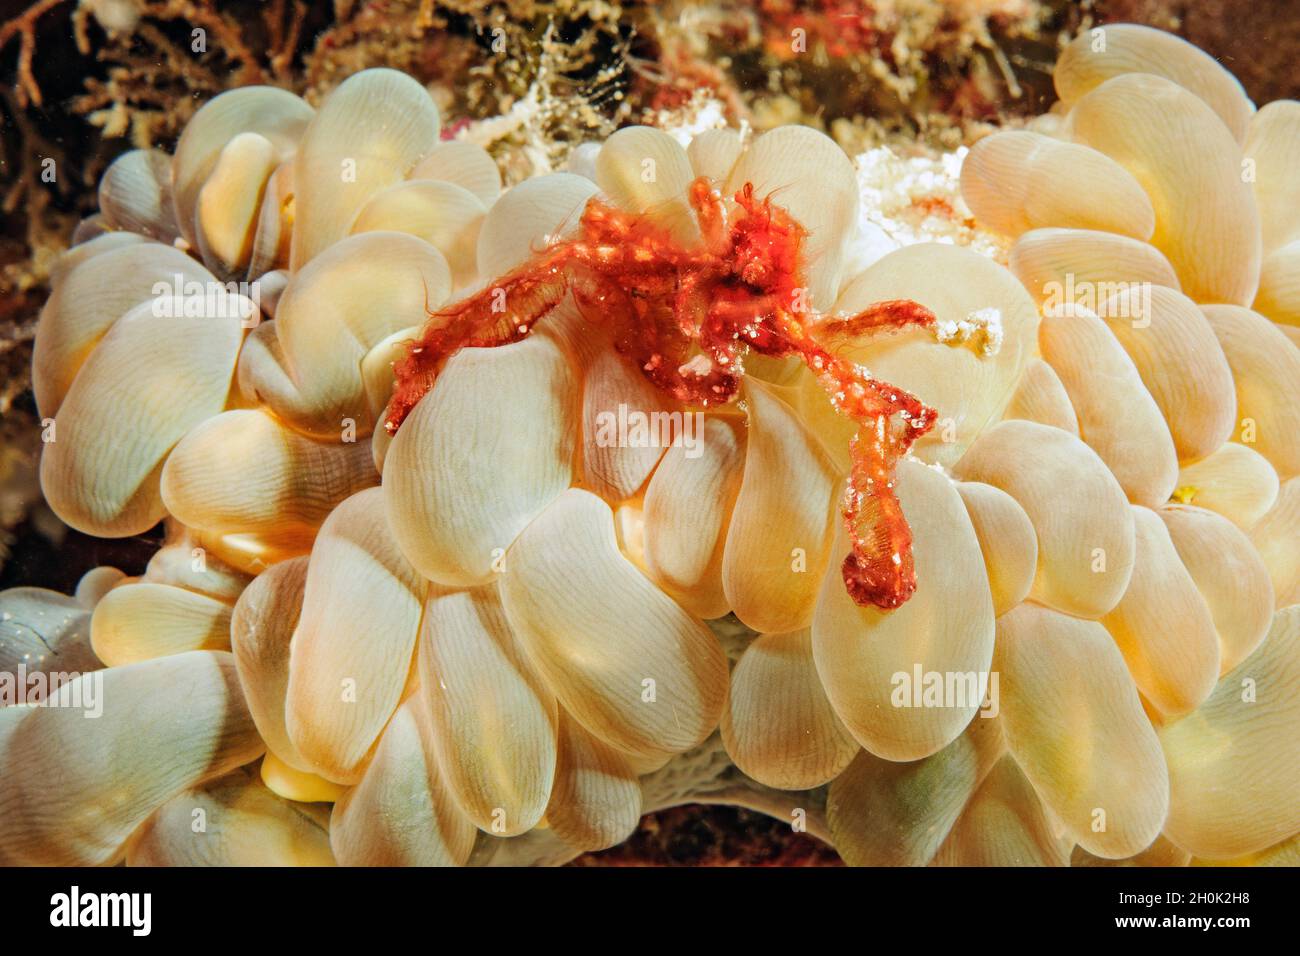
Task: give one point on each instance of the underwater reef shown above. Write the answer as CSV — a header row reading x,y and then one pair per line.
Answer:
x,y
519,423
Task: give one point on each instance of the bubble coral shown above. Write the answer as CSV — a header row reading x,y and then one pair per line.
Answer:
x,y
483,639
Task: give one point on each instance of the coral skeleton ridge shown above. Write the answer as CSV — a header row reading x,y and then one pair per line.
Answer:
x,y
415,606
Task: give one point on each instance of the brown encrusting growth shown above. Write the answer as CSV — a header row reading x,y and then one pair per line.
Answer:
x,y
686,315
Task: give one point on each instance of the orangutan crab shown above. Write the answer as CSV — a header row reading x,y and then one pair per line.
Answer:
x,y
687,317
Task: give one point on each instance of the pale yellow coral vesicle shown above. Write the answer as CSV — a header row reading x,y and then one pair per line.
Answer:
x,y
1181,364
1279,289
1004,825
1233,764
1041,397
353,646
596,800
687,512
1265,370
43,630
445,215
1229,574
184,562
1271,168
1159,853
115,770
374,127
782,525
300,786
624,660
88,247
1271,148
306,365
1007,541
493,721
89,295
400,813
463,164
276,115
1276,536
493,444
970,389
627,423
1116,49
1236,481
135,195
885,813
528,216
139,621
243,471
1013,182
876,665
714,152
101,471
1085,538
644,170
1085,267
243,824
272,234
1190,166
1075,725
94,584
1162,624
261,627
230,203
778,725
1118,418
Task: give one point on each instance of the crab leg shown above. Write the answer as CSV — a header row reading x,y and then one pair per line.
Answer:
x,y
501,313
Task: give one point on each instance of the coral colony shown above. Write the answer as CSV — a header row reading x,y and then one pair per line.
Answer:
x,y
525,511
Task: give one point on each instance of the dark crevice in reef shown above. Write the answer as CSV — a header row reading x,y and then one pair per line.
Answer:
x,y
693,835
37,559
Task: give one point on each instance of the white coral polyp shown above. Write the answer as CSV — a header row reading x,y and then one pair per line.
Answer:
x,y
484,639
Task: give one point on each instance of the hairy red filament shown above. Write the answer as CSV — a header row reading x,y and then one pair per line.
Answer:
x,y
687,317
